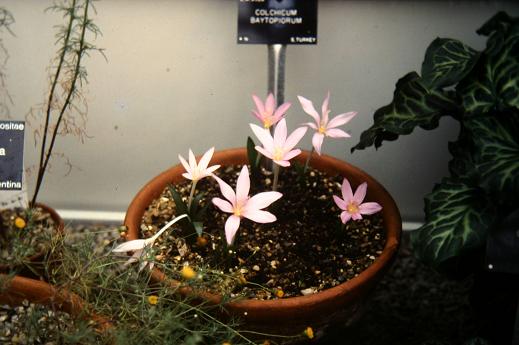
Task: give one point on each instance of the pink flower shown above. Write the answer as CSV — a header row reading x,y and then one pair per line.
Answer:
x,y
240,205
267,113
322,126
352,205
198,171
279,148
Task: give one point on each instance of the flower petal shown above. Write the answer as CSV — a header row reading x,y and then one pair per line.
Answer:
x,y
242,186
337,133
294,138
223,205
282,163
130,246
264,137
280,133
339,202
280,111
212,168
188,176
291,154
259,216
308,107
311,125
231,227
184,163
325,110
341,119
226,190
356,216
206,158
345,217
369,208
360,193
262,200
257,115
347,193
259,104
270,104
317,142
264,152
192,159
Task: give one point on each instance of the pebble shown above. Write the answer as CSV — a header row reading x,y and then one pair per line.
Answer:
x,y
256,268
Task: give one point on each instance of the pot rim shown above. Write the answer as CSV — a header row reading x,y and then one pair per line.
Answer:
x,y
390,212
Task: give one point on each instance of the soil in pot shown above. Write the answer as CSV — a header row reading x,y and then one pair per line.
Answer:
x,y
24,234
305,251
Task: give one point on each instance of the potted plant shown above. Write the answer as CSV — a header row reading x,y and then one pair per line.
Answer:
x,y
231,232
472,214
64,112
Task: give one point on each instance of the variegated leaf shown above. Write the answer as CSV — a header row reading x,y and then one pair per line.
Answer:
x,y
446,62
457,220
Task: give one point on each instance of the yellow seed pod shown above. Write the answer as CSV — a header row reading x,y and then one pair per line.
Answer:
x,y
201,241
188,273
153,299
19,222
279,293
309,332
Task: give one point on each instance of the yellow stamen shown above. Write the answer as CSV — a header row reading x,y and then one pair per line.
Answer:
x,y
278,154
352,208
322,130
279,293
267,123
237,212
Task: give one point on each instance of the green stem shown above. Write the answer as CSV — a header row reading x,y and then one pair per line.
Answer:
x,y
276,176
308,160
191,194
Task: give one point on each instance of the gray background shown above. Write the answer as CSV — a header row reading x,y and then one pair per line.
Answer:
x,y
176,79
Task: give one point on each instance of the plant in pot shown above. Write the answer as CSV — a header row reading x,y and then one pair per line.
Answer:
x,y
293,247
472,215
64,112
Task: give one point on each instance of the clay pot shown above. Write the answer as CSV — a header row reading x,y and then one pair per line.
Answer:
x,y
292,315
14,290
60,226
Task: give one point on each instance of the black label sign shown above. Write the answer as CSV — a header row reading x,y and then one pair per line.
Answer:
x,y
277,21
11,154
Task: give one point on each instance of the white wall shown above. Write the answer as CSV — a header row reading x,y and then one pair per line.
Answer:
x,y
175,79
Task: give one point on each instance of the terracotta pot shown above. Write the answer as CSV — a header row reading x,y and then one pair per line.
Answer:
x,y
291,315
60,226
17,289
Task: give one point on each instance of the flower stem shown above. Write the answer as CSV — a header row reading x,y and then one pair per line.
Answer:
x,y
190,200
308,160
276,176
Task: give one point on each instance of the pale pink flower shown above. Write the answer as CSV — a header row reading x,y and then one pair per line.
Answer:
x,y
139,246
323,127
352,205
240,205
267,112
198,171
279,147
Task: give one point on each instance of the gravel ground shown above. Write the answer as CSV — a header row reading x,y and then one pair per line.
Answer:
x,y
411,305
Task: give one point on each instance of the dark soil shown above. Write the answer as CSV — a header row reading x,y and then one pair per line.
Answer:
x,y
306,250
17,243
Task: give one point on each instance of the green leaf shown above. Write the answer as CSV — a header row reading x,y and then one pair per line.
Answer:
x,y
462,165
494,84
180,205
252,155
199,227
497,152
446,62
413,105
195,205
457,220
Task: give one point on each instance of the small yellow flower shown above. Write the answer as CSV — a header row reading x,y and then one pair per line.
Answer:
x,y
188,273
226,343
279,293
309,332
153,299
19,223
